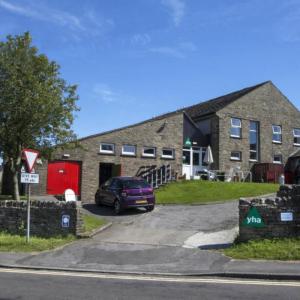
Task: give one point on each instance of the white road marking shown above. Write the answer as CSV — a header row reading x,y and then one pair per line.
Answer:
x,y
153,278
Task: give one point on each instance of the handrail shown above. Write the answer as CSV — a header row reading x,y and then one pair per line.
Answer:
x,y
158,176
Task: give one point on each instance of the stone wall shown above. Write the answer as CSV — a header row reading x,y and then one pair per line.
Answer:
x,y
277,217
46,218
268,106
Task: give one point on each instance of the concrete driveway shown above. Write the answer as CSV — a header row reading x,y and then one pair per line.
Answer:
x,y
190,226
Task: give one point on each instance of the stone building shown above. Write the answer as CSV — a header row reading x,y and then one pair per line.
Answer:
x,y
255,124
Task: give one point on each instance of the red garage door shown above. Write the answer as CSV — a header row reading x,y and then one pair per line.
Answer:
x,y
63,175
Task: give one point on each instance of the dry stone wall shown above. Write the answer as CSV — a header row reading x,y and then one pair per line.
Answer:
x,y
46,218
271,217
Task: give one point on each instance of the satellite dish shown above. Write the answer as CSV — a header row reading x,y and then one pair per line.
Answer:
x,y
70,195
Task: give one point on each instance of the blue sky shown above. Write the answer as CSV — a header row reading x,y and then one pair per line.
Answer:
x,y
135,59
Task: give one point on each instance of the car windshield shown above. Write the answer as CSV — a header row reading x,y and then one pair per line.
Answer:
x,y
135,184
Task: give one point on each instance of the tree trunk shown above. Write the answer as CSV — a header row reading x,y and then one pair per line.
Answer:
x,y
15,169
16,195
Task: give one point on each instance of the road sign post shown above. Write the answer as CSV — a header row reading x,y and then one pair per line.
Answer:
x,y
28,178
28,214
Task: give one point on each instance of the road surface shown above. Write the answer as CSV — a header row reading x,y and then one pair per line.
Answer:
x,y
18,284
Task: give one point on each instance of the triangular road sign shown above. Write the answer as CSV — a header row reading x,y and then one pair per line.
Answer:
x,y
31,157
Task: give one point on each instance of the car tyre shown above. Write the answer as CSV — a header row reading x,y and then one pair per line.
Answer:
x,y
117,207
97,200
149,208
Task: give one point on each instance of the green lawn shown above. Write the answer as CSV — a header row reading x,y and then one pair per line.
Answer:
x,y
276,249
17,243
196,191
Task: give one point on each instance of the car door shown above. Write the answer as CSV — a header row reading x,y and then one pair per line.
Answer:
x,y
112,191
104,192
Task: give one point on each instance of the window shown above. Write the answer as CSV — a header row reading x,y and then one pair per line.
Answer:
x,y
149,152
277,135
236,155
253,140
236,128
186,158
167,153
277,159
128,150
107,148
296,133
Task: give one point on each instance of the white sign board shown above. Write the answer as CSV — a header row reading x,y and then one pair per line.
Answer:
x,y
286,216
29,178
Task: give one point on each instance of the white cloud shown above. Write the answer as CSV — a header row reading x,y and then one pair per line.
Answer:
x,y
141,39
188,46
87,23
180,51
104,93
44,14
168,51
176,8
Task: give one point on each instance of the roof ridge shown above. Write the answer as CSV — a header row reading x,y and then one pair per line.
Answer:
x,y
185,109
249,89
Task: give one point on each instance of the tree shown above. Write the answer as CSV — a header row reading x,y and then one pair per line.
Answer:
x,y
36,104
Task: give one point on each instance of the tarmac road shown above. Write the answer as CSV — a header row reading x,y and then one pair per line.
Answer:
x,y
29,284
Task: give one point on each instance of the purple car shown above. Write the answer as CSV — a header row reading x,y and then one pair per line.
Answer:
x,y
125,192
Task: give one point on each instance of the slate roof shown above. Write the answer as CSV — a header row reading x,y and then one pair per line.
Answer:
x,y
214,105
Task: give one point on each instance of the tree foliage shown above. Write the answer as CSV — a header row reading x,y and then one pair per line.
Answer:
x,y
36,104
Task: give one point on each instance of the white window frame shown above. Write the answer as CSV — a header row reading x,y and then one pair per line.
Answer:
x,y
107,151
236,158
275,132
236,126
147,154
128,153
296,136
275,161
168,156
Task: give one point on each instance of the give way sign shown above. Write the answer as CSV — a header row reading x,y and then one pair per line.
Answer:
x,y
31,157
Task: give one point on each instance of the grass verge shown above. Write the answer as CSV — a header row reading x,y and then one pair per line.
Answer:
x,y
197,192
91,223
17,243
9,197
270,249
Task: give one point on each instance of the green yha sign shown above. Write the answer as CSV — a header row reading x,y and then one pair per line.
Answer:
x,y
253,219
188,142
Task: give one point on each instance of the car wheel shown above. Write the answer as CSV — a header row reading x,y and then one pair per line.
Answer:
x,y
97,200
150,208
117,207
